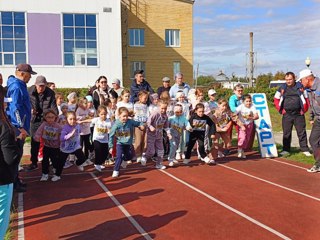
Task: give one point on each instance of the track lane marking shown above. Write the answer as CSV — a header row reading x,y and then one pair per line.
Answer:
x,y
20,217
289,164
122,209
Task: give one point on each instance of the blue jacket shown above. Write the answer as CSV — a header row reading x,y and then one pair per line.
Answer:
x,y
136,88
19,109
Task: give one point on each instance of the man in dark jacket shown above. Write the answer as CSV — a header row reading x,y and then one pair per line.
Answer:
x,y
139,84
42,98
165,86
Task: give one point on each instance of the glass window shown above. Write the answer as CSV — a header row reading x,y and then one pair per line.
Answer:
x,y
80,34
172,38
136,37
176,68
137,66
12,38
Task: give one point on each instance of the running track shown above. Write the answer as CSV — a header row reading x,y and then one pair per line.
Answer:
x,y
236,199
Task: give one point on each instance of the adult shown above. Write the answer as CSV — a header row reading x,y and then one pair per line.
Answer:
x,y
1,79
165,86
116,86
139,84
42,98
312,84
51,85
101,93
94,87
178,86
19,110
291,100
9,159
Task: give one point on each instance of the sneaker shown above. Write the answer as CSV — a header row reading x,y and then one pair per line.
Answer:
x,y
186,161
243,155
55,178
124,164
175,161
220,154
171,163
314,169
178,156
44,178
115,174
72,157
206,160
307,153
87,163
40,159
284,153
143,161
32,167
129,162
160,166
183,156
98,167
68,164
240,152
138,159
211,162
81,168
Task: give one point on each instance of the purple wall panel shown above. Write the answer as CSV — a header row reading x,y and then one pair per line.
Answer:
x,y
44,39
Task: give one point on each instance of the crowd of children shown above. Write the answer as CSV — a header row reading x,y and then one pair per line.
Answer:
x,y
124,131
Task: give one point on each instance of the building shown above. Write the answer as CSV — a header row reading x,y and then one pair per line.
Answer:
x,y
157,37
72,43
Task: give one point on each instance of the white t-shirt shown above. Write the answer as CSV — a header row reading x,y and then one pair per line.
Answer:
x,y
101,130
140,112
83,114
245,112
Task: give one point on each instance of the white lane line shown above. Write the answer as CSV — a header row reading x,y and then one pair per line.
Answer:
x,y
269,182
20,217
285,163
228,207
122,209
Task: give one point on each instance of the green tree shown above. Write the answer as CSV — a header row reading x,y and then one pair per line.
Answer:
x,y
263,80
279,75
205,80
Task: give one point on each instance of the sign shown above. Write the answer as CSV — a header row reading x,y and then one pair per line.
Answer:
x,y
263,125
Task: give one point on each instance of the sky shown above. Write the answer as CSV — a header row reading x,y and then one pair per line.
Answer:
x,y
285,33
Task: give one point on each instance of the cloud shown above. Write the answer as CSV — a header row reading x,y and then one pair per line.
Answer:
x,y
232,17
202,20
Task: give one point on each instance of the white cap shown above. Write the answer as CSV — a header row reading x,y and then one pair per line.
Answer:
x,y
305,73
116,81
211,92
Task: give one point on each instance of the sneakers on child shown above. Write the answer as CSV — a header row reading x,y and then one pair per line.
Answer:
x,y
207,160
115,174
143,161
220,154
55,178
98,167
160,166
314,169
138,159
171,163
124,164
307,153
183,156
178,156
72,157
44,177
81,168
88,162
175,161
186,161
67,164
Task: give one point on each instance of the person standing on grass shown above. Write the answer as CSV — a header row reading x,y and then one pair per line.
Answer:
x,y
291,100
9,160
312,84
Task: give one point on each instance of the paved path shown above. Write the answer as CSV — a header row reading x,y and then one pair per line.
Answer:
x,y
295,142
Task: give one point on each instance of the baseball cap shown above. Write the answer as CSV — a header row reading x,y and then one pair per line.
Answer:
x,y
41,80
166,79
304,73
211,92
116,81
24,67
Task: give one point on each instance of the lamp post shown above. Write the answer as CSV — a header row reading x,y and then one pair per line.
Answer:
x,y
308,62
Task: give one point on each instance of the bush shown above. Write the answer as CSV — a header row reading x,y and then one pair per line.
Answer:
x,y
81,92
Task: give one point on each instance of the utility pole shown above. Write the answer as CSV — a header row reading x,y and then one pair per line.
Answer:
x,y
251,61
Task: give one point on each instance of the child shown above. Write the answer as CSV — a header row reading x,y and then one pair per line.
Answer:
x,y
70,144
212,102
122,132
50,132
140,109
198,122
62,119
72,102
247,114
154,103
157,122
92,114
177,123
222,117
59,101
125,102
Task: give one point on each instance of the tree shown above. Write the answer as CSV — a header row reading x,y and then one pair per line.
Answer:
x,y
263,80
279,75
205,80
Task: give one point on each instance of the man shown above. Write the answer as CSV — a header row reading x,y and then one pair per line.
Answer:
x,y
291,100
138,85
42,98
312,84
116,86
19,110
179,86
165,86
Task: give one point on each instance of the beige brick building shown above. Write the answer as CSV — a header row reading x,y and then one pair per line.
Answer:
x,y
157,37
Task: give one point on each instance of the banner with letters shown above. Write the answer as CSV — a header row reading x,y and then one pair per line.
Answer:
x,y
263,125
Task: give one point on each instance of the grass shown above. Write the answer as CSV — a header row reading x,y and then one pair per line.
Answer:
x,y
13,216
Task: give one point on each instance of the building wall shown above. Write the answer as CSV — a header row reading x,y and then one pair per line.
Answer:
x,y
45,40
155,16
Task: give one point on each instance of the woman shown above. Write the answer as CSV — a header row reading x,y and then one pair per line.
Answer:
x,y
101,93
9,159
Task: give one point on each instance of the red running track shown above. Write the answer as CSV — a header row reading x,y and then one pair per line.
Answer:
x,y
237,199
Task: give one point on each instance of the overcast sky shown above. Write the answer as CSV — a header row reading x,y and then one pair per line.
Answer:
x,y
286,32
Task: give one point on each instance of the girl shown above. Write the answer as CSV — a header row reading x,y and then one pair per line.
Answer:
x,y
140,109
122,132
70,144
59,101
125,102
62,118
50,132
72,101
247,114
199,122
154,103
177,123
157,123
92,114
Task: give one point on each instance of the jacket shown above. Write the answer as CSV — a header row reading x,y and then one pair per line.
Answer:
x,y
136,88
19,109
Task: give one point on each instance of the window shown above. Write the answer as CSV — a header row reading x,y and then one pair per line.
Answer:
x,y
136,37
12,38
172,38
80,40
137,66
176,68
